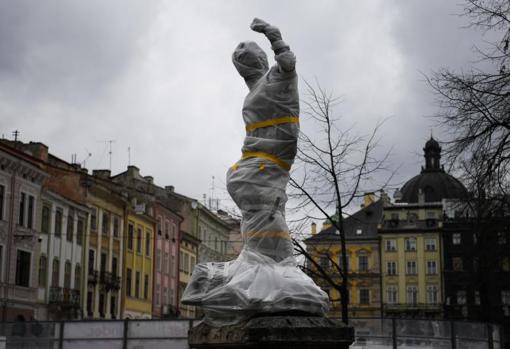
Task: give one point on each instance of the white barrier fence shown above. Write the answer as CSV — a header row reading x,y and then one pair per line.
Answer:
x,y
172,334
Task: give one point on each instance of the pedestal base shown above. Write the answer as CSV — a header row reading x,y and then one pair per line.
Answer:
x,y
274,332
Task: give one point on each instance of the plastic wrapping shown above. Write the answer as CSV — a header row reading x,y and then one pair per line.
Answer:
x,y
265,277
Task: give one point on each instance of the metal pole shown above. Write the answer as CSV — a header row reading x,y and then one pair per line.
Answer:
x,y
61,335
124,334
490,340
453,335
394,333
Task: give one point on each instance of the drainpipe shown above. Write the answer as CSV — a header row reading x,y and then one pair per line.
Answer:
x,y
10,233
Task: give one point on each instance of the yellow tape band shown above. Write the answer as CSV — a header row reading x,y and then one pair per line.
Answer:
x,y
273,122
267,156
268,234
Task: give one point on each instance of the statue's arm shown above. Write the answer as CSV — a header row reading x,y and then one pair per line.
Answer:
x,y
283,55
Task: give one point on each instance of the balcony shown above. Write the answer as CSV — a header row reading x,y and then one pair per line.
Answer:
x,y
169,311
109,281
64,297
93,277
413,308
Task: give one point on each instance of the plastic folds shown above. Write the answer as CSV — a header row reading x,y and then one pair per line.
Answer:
x,y
265,277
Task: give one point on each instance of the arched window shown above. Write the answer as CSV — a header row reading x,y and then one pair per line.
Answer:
x,y
43,270
67,275
55,272
77,277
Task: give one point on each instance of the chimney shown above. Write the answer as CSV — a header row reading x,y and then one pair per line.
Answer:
x,y
101,173
314,229
368,199
38,150
169,188
149,179
133,171
385,198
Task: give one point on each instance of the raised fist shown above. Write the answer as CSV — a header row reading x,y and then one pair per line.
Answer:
x,y
271,32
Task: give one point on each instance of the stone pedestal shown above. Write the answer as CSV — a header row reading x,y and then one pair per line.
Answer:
x,y
274,332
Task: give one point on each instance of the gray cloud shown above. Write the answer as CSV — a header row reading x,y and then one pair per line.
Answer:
x,y
157,76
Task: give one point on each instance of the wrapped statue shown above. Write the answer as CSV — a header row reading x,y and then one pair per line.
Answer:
x,y
265,277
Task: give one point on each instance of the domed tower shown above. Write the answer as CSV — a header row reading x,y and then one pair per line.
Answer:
x,y
433,184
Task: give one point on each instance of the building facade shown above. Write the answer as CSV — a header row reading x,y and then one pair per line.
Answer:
x,y
165,300
21,179
363,261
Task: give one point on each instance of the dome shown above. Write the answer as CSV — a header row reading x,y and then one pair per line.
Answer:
x,y
433,181
435,185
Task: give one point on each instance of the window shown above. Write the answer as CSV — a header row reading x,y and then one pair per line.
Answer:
x,y
113,306
430,244
102,262
131,229
93,219
456,238
477,297
146,286
45,219
43,270
1,262
101,305
77,277
431,267
363,264
137,284
191,263
92,256
391,268
359,231
391,245
2,199
114,266
475,238
457,264
171,296
391,292
411,268
55,272
186,263
67,275
128,282
501,238
70,225
505,297
116,226
412,295
158,225
58,222
30,216
412,217
80,230
410,244
157,293
165,263
106,223
461,297
158,260
432,294
505,264
22,202
139,241
148,243
172,267
165,295
90,301
364,296
324,261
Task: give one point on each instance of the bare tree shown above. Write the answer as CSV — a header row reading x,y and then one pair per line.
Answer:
x,y
474,105
332,171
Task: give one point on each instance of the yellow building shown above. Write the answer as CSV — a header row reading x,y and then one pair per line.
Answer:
x,y
411,260
362,245
138,264
188,254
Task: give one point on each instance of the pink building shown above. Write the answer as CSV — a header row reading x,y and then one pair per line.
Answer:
x,y
166,268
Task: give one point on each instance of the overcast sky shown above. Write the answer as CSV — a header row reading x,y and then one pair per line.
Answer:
x,y
157,76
